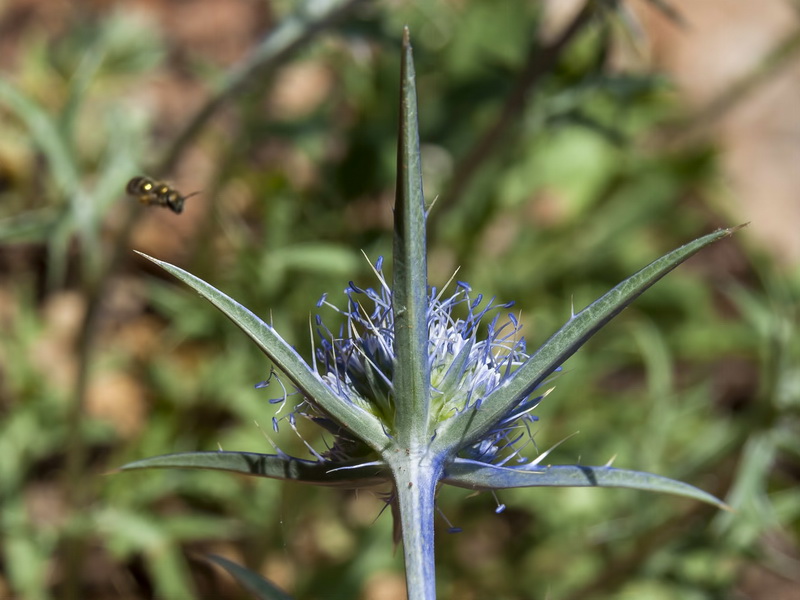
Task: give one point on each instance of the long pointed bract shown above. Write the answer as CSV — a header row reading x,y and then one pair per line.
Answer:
x,y
471,424
410,279
475,475
415,474
363,424
355,473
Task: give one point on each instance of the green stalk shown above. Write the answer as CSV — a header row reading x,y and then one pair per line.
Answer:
x,y
416,479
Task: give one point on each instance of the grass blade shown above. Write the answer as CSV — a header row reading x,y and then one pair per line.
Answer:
x,y
251,581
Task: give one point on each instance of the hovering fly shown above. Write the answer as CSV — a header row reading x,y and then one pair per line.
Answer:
x,y
156,193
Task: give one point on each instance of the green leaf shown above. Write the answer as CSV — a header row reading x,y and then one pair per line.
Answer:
x,y
470,425
315,257
668,10
252,582
349,415
80,82
481,476
343,474
30,226
411,379
45,133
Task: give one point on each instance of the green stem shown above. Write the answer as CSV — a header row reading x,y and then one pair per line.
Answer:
x,y
416,479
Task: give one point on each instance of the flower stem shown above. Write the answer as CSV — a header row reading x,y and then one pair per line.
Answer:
x,y
416,481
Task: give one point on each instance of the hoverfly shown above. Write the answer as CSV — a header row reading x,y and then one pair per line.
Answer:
x,y
157,193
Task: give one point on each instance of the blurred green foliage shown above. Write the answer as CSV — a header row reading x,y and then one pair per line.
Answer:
x,y
699,380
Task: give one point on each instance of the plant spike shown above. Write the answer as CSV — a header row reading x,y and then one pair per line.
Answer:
x,y
471,424
415,474
411,379
409,392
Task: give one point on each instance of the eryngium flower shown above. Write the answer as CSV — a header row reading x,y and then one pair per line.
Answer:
x,y
468,359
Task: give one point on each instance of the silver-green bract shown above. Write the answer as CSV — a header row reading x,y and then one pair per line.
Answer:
x,y
409,392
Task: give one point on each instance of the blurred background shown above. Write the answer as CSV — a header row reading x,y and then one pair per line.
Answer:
x,y
567,145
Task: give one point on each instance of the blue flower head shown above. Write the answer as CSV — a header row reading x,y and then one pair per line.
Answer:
x,y
358,362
